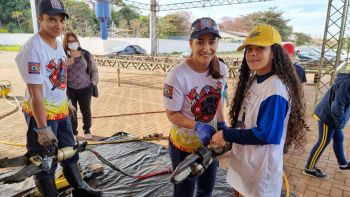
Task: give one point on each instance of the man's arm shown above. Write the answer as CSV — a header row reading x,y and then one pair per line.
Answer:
x,y
37,104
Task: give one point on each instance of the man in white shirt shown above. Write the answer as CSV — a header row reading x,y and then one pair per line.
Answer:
x,y
43,67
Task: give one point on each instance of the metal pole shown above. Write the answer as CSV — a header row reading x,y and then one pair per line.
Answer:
x,y
341,37
34,17
153,27
118,76
332,42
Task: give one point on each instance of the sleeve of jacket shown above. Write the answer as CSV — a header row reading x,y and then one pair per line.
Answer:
x,y
270,124
338,106
94,70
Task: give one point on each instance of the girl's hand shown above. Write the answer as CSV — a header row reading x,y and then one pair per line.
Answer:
x,y
70,61
218,138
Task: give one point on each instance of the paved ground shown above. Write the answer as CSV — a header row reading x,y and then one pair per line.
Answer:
x,y
136,107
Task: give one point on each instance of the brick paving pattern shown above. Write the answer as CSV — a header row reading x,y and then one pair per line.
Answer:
x,y
136,107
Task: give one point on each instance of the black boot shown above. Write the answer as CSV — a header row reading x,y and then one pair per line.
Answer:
x,y
80,187
47,187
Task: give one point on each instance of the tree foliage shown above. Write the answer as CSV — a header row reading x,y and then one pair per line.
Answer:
x,y
144,30
15,16
125,13
176,24
82,20
128,18
301,38
233,24
272,16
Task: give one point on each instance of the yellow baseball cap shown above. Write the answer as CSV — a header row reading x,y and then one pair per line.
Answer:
x,y
262,35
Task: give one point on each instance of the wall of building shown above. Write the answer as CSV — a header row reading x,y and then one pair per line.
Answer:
x,y
101,47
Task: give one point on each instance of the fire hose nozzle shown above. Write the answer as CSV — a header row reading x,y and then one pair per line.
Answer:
x,y
69,152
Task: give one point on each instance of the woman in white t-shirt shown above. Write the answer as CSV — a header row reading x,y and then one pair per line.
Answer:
x,y
192,99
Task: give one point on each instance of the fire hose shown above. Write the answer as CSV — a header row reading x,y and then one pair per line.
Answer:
x,y
194,165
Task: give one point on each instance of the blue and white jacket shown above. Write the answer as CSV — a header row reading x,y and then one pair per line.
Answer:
x,y
256,164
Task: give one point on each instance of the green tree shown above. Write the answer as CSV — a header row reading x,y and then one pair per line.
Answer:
x,y
82,20
144,30
346,43
273,17
126,13
128,18
301,38
19,16
27,25
176,24
8,20
12,27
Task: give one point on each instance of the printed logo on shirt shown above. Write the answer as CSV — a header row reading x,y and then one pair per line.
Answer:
x,y
205,104
168,91
33,68
58,76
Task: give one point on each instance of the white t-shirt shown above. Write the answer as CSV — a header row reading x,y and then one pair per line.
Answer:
x,y
195,95
39,63
256,170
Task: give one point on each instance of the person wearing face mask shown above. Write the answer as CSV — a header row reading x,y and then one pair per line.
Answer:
x,y
82,76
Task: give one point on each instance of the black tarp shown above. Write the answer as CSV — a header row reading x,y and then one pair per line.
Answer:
x,y
134,158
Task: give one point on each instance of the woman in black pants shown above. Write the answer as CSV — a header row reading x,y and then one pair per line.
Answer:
x,y
82,76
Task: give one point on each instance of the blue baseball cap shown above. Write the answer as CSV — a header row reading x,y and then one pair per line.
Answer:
x,y
202,26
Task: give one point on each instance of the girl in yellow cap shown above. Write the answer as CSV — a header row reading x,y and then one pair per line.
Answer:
x,y
267,112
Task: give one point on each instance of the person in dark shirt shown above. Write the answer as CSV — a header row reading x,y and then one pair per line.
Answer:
x,y
332,113
290,49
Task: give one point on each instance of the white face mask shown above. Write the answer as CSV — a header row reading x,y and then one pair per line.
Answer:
x,y
73,45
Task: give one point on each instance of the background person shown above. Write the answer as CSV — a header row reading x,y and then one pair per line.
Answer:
x,y
300,71
290,49
332,113
82,75
269,107
224,96
192,99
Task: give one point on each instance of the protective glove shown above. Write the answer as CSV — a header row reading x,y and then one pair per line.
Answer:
x,y
72,110
46,136
222,125
204,132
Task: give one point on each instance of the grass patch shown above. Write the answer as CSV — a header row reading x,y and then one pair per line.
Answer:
x,y
10,47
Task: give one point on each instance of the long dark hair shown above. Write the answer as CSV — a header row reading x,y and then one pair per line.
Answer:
x,y
214,68
284,69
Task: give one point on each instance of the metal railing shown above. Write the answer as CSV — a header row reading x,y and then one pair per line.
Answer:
x,y
164,64
156,63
